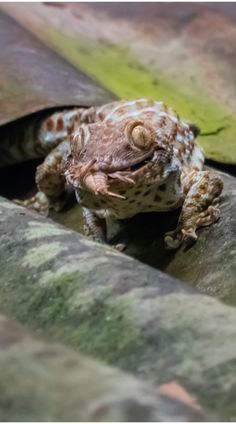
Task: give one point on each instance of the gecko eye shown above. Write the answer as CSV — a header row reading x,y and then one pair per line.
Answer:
x,y
78,142
140,136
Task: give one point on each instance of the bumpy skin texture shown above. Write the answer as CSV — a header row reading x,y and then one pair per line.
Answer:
x,y
125,158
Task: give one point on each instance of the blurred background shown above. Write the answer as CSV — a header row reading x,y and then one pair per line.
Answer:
x,y
182,53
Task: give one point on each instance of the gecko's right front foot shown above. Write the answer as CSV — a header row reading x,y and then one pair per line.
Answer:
x,y
38,203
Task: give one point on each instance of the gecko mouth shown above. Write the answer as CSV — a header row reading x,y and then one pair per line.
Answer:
x,y
132,167
138,165
130,173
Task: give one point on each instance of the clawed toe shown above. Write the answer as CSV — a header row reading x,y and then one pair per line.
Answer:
x,y
189,236
208,217
120,246
38,203
173,240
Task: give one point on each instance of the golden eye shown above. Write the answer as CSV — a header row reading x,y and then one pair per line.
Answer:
x,y
141,137
78,142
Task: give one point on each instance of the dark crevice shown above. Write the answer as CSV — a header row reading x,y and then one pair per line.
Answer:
x,y
215,132
229,168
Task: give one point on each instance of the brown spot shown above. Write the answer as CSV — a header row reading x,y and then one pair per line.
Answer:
x,y
162,187
169,202
122,192
137,192
50,124
162,122
147,193
191,146
186,189
157,198
182,149
132,201
60,124
70,130
175,130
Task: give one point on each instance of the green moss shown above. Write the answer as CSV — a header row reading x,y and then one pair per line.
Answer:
x,y
103,330
117,70
40,254
37,230
9,205
220,382
66,308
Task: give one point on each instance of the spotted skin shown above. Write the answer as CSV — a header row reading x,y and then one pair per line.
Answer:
x,y
125,158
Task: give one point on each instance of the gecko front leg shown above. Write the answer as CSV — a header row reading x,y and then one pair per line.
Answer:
x,y
200,207
53,141
50,181
95,227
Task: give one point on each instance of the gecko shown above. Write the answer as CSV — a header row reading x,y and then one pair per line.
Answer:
x,y
121,159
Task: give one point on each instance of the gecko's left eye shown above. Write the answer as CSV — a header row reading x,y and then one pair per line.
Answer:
x,y
140,136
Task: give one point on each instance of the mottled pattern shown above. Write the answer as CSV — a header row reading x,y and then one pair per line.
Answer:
x,y
125,158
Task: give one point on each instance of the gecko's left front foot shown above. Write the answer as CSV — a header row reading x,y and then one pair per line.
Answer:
x,y
174,239
187,234
201,208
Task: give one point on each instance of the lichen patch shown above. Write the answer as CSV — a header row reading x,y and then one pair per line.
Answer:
x,y
42,229
10,205
43,253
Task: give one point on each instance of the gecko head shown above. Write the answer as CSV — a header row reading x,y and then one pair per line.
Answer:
x,y
108,158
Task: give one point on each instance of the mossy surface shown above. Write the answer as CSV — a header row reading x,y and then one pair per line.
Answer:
x,y
114,66
115,308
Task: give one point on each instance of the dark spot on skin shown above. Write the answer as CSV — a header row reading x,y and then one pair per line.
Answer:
x,y
96,204
122,192
70,129
50,124
162,187
147,193
137,192
60,124
132,201
157,198
169,202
